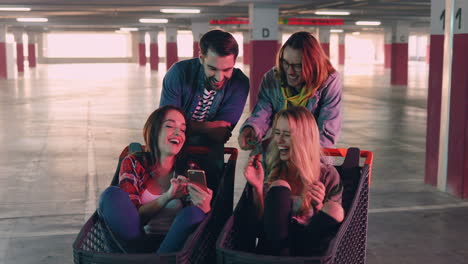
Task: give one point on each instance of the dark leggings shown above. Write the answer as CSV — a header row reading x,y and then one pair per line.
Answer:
x,y
282,236
121,215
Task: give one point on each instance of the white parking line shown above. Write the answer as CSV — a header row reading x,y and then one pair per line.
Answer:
x,y
90,204
418,208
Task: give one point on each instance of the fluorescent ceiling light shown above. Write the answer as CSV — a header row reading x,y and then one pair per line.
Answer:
x,y
128,29
368,23
32,19
336,30
333,13
180,11
356,33
15,9
154,20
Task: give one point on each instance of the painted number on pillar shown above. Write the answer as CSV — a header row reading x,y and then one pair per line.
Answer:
x,y
458,15
442,17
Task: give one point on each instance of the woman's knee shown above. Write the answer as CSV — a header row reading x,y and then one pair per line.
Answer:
x,y
119,213
334,210
190,215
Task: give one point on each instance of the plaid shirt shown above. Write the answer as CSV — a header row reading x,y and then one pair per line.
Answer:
x,y
135,174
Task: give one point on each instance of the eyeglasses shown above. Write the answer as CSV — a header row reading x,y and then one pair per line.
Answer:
x,y
286,65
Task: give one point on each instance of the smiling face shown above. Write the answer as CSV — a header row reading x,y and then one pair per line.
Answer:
x,y
292,58
217,69
282,138
171,136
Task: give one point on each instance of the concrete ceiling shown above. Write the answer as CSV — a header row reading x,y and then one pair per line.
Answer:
x,y
113,14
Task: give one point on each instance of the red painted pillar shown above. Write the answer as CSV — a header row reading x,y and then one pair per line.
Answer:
x,y
280,39
324,38
196,49
246,58
341,48
264,45
19,51
171,46
154,56
457,166
428,53
388,49
199,28
3,53
141,48
32,49
434,95
399,67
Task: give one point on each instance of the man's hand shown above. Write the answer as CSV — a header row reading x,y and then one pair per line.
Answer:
x,y
247,138
219,130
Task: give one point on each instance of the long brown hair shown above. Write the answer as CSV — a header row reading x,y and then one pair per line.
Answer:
x,y
152,129
316,66
305,152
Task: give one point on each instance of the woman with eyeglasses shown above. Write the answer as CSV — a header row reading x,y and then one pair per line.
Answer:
x,y
302,76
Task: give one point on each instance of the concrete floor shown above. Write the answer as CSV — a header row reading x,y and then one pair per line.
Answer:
x,y
62,128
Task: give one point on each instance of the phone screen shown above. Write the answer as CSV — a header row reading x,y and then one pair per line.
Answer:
x,y
197,177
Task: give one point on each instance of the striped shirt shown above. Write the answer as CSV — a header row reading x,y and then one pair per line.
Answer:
x,y
201,111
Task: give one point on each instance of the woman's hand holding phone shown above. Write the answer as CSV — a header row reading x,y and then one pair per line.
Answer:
x,y
200,197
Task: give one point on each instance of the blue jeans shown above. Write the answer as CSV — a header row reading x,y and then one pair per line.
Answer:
x,y
122,217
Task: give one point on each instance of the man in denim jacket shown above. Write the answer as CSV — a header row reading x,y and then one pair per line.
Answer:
x,y
210,90
303,76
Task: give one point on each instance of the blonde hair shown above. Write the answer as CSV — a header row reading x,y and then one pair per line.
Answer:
x,y
305,152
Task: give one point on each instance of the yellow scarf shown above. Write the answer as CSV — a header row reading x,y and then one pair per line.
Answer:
x,y
299,99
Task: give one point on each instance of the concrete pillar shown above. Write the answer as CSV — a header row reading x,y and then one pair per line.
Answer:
x,y
154,56
324,38
428,52
40,47
438,96
199,28
388,48
434,94
171,46
246,58
19,50
3,52
264,44
32,49
341,48
399,67
457,165
141,48
7,60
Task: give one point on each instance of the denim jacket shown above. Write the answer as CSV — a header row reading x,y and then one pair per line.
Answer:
x,y
325,105
184,84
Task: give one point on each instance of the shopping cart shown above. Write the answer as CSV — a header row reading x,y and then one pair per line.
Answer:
x,y
96,243
348,246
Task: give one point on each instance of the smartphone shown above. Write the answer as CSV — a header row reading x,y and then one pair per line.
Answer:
x,y
198,177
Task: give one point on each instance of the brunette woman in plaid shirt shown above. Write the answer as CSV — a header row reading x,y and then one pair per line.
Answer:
x,y
149,205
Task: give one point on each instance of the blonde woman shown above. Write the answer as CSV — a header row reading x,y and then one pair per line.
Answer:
x,y
298,205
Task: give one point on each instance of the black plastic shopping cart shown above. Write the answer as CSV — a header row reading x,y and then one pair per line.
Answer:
x,y
96,243
348,245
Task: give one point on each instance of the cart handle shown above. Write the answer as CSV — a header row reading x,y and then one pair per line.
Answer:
x,y
341,152
233,152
